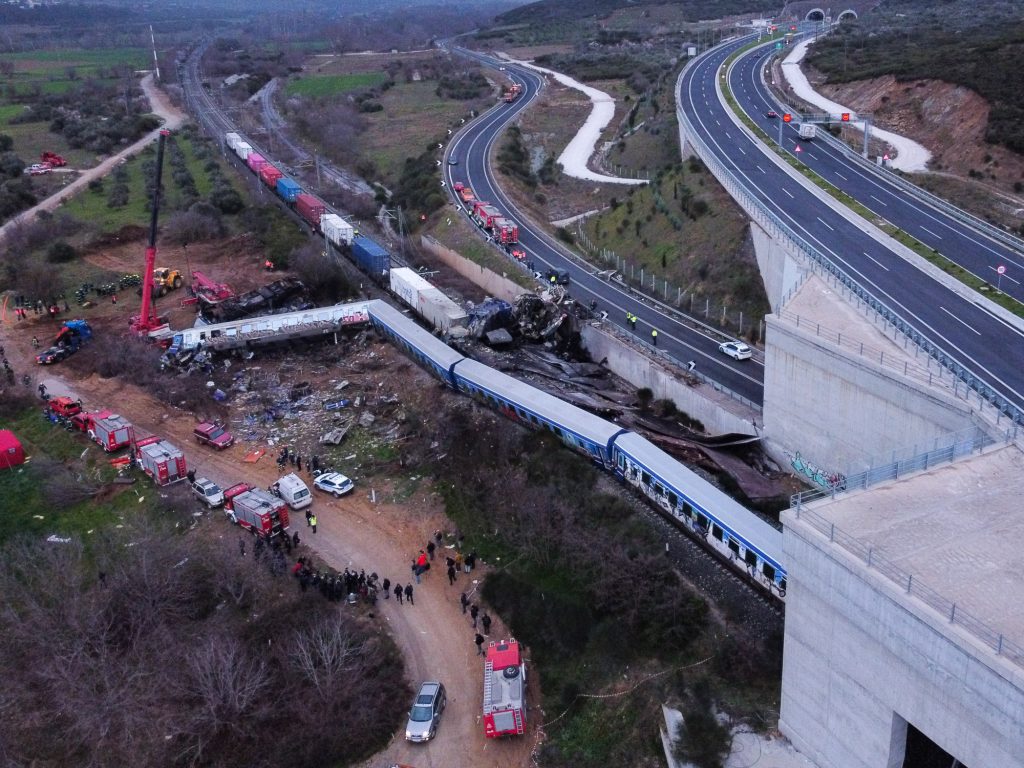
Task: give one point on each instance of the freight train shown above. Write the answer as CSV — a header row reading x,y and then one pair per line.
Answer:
x,y
369,255
744,541
749,545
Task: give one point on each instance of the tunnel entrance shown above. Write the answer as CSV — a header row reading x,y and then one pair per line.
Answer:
x,y
922,752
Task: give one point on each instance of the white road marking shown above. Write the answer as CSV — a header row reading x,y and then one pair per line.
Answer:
x,y
742,150
1005,277
876,261
762,170
813,157
880,201
841,176
931,233
825,223
965,325
786,191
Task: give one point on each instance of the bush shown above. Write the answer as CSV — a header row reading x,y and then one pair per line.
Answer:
x,y
700,738
227,200
61,253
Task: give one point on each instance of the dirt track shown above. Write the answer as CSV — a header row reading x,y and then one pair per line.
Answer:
x,y
161,107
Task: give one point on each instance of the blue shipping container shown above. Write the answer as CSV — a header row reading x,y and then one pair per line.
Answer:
x,y
371,257
288,189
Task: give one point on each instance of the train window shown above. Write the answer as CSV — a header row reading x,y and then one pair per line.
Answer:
x,y
645,478
621,461
782,587
768,571
673,500
750,557
702,522
658,489
716,532
735,547
556,430
688,510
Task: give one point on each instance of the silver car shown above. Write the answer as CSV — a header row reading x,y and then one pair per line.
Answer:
x,y
426,712
334,483
208,492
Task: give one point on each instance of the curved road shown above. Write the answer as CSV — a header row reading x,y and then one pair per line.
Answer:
x,y
679,339
975,252
967,331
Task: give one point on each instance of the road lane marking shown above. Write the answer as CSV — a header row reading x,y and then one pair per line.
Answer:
x,y
841,176
876,261
825,223
742,150
762,170
931,233
965,325
880,201
813,157
1005,276
786,191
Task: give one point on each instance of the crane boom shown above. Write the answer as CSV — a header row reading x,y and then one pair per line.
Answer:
x,y
147,320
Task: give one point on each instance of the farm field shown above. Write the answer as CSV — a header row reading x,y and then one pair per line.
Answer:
x,y
321,86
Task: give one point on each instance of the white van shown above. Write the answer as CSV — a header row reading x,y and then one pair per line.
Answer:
x,y
293,491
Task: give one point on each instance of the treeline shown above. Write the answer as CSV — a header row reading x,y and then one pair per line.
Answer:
x,y
958,43
559,10
159,649
15,190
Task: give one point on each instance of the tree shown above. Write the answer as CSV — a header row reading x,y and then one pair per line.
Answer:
x,y
61,253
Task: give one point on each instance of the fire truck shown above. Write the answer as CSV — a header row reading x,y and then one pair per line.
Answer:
x,y
160,460
256,510
504,690
511,93
112,431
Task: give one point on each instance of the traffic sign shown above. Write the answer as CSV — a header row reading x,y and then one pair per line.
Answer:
x,y
787,118
846,117
1001,269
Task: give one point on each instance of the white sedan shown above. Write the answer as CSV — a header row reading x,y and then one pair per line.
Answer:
x,y
334,483
736,350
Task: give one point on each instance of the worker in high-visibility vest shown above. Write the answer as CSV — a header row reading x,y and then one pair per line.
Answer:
x,y
553,280
654,336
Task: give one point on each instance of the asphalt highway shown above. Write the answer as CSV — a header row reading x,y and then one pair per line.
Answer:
x,y
680,339
975,252
967,332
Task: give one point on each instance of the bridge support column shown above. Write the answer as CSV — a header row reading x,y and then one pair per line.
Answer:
x,y
780,272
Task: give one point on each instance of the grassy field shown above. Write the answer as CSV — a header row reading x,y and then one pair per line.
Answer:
x,y
53,450
91,206
323,86
413,116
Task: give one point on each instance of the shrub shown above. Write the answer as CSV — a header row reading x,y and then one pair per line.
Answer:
x,y
61,253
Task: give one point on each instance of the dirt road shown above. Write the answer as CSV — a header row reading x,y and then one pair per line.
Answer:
x,y
435,638
160,106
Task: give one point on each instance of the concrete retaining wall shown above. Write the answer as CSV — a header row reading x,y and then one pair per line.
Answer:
x,y
497,286
719,413
842,411
861,660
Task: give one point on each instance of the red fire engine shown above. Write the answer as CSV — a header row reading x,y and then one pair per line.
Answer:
x,y
504,690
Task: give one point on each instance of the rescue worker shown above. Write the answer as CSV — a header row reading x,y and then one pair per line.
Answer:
x,y
654,336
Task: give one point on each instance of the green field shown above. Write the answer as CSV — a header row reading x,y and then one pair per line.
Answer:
x,y
91,206
33,513
323,86
50,70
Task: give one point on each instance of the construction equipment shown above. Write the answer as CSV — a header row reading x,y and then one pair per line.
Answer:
x,y
147,321
166,279
207,292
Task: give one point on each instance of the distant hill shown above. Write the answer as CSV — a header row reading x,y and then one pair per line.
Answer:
x,y
566,10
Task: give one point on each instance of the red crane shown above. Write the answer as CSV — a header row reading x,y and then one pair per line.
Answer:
x,y
147,320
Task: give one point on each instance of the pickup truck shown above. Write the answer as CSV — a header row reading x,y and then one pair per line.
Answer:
x,y
213,434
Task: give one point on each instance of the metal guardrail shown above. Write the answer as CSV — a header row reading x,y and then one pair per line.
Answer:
x,y
902,462
976,223
836,276
946,608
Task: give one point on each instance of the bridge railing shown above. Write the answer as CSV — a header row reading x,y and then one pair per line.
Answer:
x,y
835,275
900,463
943,606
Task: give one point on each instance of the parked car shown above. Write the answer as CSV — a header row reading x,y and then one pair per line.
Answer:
x,y
208,492
293,491
334,483
52,355
209,433
426,712
737,350
771,113
38,169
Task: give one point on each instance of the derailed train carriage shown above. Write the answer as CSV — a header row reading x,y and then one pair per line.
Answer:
x,y
747,543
